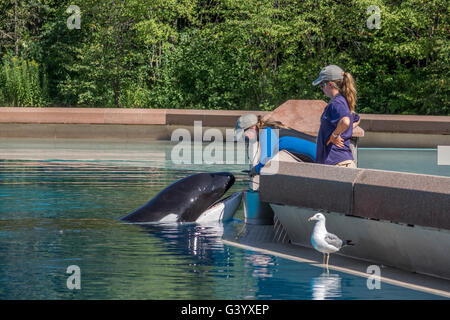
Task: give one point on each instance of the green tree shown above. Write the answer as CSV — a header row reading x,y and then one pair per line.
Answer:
x,y
229,53
20,23
21,84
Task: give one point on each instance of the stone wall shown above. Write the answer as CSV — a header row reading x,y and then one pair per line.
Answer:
x,y
415,199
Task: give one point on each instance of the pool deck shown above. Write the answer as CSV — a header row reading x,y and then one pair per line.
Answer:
x,y
260,238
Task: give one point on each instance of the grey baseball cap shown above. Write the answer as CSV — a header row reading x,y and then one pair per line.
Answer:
x,y
329,73
244,122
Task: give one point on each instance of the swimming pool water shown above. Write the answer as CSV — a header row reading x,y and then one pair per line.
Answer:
x,y
423,161
54,214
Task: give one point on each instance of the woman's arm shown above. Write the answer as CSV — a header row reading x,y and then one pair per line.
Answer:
x,y
342,125
268,142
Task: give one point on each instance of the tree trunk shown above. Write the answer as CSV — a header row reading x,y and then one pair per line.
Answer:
x,y
116,88
16,37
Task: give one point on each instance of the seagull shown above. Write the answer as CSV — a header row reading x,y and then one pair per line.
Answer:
x,y
323,241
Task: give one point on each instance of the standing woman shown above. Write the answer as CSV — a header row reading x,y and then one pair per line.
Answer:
x,y
338,119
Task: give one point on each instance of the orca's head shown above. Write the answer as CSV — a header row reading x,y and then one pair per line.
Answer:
x,y
222,181
201,191
213,185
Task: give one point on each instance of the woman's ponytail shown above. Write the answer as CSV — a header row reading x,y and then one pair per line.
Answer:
x,y
269,123
348,89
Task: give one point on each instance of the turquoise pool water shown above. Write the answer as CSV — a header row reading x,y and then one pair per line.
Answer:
x,y
54,214
422,161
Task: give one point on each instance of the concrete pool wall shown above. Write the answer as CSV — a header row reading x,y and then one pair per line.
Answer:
x,y
158,124
397,219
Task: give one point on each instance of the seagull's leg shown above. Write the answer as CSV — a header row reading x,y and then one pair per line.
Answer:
x,y
328,258
326,266
323,260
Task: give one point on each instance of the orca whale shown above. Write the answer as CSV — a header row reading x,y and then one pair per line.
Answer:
x,y
184,200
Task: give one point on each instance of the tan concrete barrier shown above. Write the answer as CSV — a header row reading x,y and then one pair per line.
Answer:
x,y
219,118
385,131
309,185
405,123
414,199
209,118
82,115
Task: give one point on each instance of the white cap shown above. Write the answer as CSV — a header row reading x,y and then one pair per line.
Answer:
x,y
244,122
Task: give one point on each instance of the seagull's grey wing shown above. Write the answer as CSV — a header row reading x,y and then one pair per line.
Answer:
x,y
333,240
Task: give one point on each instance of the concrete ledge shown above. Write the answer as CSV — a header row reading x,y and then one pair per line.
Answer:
x,y
386,131
414,199
405,123
210,118
213,118
185,117
309,185
84,131
82,115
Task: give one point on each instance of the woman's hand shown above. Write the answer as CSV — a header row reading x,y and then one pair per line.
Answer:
x,y
342,125
338,141
252,172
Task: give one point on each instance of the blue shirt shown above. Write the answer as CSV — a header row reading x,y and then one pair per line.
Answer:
x,y
270,144
336,109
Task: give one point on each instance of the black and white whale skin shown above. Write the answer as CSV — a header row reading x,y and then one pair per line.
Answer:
x,y
184,200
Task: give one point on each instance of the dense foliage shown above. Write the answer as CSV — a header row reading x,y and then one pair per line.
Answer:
x,y
223,54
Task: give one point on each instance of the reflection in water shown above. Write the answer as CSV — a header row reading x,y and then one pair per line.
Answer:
x,y
201,242
326,286
261,264
197,240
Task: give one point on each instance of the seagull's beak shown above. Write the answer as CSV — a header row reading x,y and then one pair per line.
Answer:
x,y
311,218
